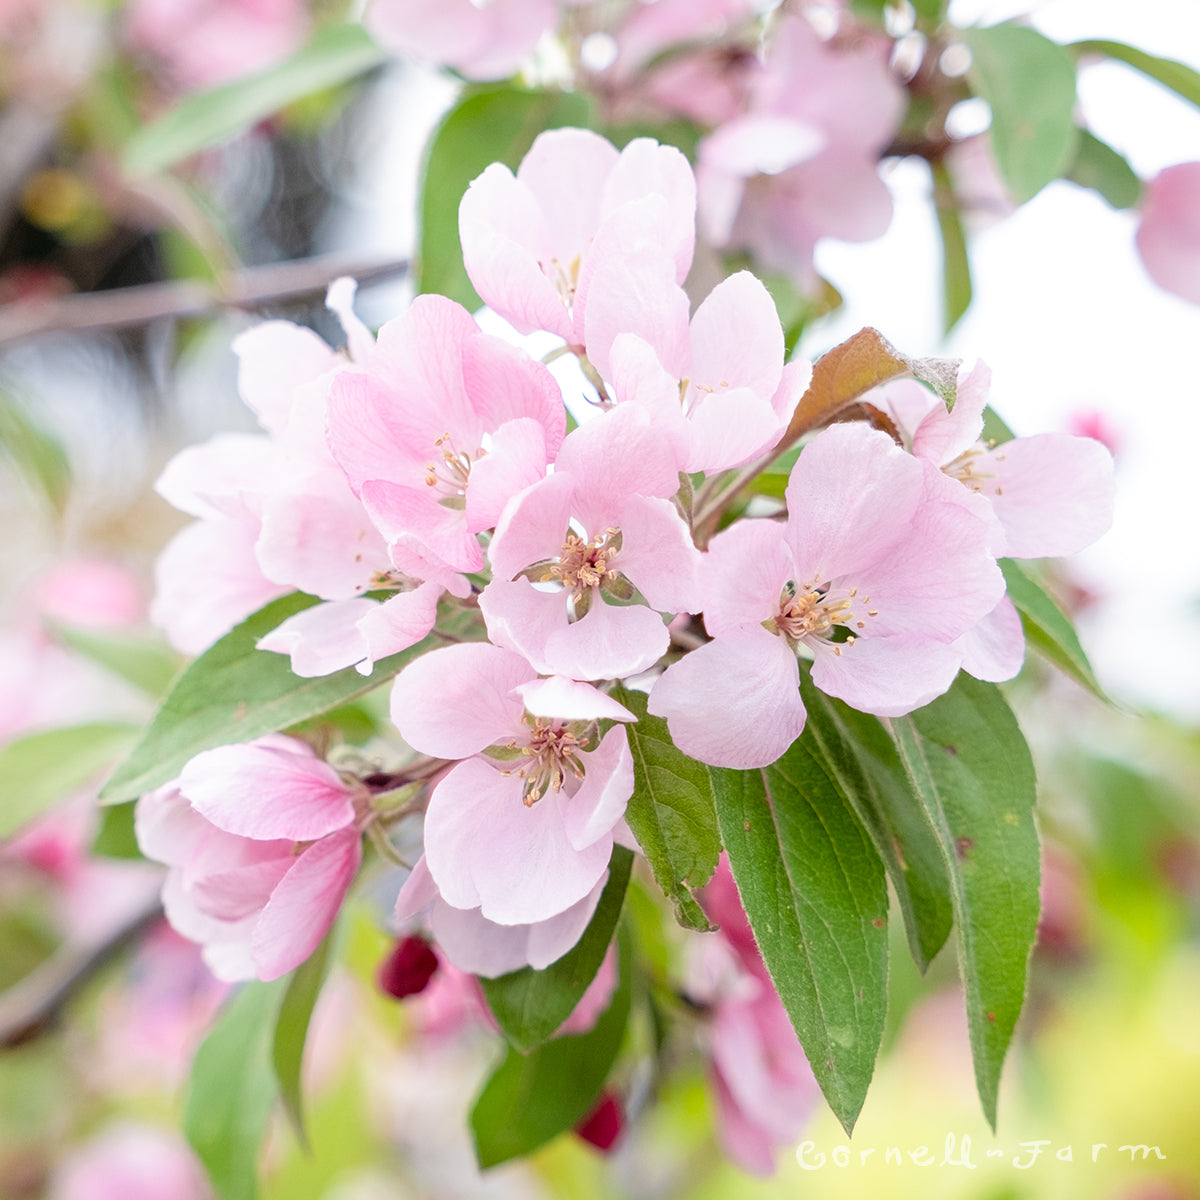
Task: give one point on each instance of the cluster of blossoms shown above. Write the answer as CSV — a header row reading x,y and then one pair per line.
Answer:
x,y
430,469
796,105
781,164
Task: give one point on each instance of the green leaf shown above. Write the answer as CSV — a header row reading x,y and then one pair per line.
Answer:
x,y
1047,628
1181,79
671,812
231,1090
1029,83
972,773
956,265
116,837
1099,167
291,1029
533,1098
490,124
995,428
36,453
859,756
335,55
233,693
813,887
530,1005
146,662
40,769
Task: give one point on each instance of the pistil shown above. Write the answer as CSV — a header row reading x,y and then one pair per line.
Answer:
x,y
554,753
453,473
584,565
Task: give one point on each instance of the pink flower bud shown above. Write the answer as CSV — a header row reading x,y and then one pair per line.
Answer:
x,y
603,1126
408,969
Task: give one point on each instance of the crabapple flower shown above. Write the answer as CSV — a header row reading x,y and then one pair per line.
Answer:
x,y
359,631
482,947
261,844
203,43
523,827
480,41
877,547
1051,494
600,526
736,396
126,1161
580,222
801,163
705,71
1168,237
274,510
440,426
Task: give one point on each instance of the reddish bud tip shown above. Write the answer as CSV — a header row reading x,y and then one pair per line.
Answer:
x,y
408,969
604,1124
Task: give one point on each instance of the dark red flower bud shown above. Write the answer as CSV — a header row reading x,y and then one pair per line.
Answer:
x,y
604,1124
408,969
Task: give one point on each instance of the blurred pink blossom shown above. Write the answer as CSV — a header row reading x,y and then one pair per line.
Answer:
x,y
203,43
130,1162
1168,237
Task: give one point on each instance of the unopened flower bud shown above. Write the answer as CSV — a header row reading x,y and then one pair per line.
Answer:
x,y
408,969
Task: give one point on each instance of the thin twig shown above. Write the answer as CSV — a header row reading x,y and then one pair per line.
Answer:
x,y
249,287
31,1005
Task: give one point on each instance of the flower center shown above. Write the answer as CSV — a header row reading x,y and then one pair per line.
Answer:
x,y
564,277
553,754
963,468
811,611
451,475
582,565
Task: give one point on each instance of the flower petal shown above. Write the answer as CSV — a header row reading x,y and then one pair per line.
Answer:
x,y
734,702
485,849
458,700
609,642
1053,493
266,791
304,905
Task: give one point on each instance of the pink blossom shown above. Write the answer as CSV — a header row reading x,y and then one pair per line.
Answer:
x,y
736,396
600,525
208,42
42,682
800,164
580,220
357,632
1168,237
876,544
521,842
478,946
480,41
262,846
278,514
693,58
90,592
442,425
256,495
207,580
1051,494
125,1161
